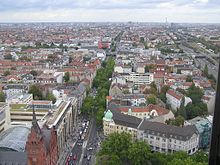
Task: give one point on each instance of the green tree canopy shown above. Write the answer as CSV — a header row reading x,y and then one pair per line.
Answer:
x,y
33,72
195,93
2,97
193,110
152,99
108,160
117,144
36,91
189,78
178,121
51,97
139,153
6,73
66,77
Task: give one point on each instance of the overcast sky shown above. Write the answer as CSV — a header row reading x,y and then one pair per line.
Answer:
x,y
198,11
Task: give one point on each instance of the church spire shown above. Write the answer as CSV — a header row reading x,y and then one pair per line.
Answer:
x,y
34,115
35,125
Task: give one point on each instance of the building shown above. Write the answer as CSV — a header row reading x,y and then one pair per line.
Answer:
x,y
144,112
168,138
175,99
4,117
133,99
41,146
15,89
62,119
21,114
204,128
114,121
101,55
12,145
161,137
139,78
20,99
80,94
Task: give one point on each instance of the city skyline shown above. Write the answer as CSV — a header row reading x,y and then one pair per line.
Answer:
x,y
181,11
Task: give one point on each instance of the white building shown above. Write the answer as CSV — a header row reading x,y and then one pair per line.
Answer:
x,y
4,116
101,55
119,80
168,138
123,69
140,78
175,99
20,99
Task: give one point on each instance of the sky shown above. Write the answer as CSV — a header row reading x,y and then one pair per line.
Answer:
x,y
186,11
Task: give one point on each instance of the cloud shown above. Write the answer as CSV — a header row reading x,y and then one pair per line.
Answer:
x,y
110,10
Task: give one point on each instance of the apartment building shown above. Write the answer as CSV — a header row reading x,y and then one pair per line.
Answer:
x,y
169,138
139,78
175,99
161,137
114,121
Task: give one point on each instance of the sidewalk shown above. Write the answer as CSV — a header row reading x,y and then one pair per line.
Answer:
x,y
66,151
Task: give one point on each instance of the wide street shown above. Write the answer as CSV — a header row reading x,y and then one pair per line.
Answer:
x,y
85,148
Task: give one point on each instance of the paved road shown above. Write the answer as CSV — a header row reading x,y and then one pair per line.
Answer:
x,y
91,142
80,153
213,69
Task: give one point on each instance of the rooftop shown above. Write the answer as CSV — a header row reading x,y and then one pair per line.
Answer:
x,y
14,139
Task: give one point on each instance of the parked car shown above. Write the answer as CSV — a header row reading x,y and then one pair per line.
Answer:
x,y
89,157
75,157
90,148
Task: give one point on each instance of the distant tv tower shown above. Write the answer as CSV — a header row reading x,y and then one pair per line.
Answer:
x,y
166,23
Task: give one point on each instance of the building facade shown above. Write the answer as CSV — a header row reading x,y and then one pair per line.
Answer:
x,y
168,138
140,78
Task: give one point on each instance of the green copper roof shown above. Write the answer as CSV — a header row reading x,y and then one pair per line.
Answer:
x,y
108,115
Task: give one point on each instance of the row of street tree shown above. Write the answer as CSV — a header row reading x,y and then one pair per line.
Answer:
x,y
95,106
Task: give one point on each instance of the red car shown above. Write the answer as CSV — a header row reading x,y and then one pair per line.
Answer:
x,y
74,157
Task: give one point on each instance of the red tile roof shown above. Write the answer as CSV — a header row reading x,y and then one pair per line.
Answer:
x,y
174,94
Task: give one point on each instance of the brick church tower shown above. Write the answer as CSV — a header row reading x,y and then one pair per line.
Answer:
x,y
41,145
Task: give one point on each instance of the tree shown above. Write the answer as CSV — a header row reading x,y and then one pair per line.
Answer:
x,y
162,94
164,89
139,153
189,78
36,91
178,71
51,97
118,144
178,121
8,57
33,72
87,106
6,73
108,160
151,99
146,68
195,93
66,77
206,70
200,156
153,85
2,97
193,110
